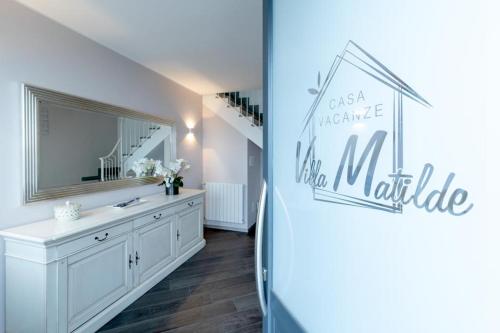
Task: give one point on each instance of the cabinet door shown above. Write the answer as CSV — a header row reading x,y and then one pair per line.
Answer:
x,y
97,277
190,228
154,248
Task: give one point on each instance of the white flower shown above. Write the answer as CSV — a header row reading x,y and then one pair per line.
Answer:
x,y
139,167
169,173
158,166
149,164
174,167
160,170
179,165
144,166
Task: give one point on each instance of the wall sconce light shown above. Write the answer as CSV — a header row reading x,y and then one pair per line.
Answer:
x,y
190,134
190,137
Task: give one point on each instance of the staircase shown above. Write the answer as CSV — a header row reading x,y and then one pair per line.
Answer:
x,y
240,112
136,139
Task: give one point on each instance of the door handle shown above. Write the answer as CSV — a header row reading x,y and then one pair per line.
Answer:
x,y
130,261
137,258
259,272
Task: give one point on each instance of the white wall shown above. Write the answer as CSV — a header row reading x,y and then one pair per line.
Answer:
x,y
226,157
254,95
224,151
72,144
38,51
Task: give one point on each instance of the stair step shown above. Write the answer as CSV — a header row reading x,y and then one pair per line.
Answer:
x,y
245,109
231,98
250,109
244,105
234,99
238,100
238,106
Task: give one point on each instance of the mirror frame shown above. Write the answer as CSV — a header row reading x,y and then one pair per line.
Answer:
x,y
32,96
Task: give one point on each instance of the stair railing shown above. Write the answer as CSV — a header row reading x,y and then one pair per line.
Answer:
x,y
134,133
131,136
245,109
111,168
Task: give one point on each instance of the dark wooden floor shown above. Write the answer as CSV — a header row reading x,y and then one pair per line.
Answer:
x,y
214,291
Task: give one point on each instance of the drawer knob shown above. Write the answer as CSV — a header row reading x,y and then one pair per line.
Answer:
x,y
101,239
190,204
157,217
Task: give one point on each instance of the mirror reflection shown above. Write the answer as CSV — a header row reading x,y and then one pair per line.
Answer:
x,y
79,146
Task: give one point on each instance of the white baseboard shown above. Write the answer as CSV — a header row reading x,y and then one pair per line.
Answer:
x,y
111,311
226,226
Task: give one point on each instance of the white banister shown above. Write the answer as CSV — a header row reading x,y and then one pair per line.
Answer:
x,y
108,163
132,135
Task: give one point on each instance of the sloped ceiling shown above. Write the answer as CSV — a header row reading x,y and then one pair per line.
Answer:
x,y
205,45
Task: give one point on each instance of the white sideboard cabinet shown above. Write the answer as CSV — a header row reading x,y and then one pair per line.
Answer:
x,y
76,276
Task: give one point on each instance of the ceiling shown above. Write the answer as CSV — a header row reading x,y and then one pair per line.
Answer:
x,y
205,45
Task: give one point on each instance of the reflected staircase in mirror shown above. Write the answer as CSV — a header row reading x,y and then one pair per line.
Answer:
x,y
136,139
240,111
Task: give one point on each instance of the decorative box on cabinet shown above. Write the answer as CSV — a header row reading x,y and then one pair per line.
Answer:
x,y
76,276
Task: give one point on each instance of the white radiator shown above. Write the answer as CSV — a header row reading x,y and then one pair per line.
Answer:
x,y
225,202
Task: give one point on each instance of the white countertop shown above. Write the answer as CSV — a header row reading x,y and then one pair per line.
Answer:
x,y
51,231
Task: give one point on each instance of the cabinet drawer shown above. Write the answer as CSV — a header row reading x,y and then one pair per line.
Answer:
x,y
152,217
188,204
93,239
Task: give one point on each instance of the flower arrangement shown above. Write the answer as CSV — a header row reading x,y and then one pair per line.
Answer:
x,y
171,174
144,167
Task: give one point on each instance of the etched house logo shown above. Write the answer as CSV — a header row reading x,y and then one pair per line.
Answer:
x,y
351,148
